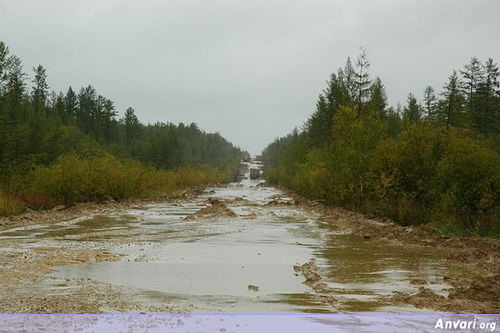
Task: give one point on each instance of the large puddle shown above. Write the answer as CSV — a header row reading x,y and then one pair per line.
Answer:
x,y
208,264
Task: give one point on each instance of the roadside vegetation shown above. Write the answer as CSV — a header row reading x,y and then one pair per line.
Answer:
x,y
64,148
435,161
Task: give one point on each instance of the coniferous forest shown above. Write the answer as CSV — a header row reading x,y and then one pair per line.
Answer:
x,y
434,161
320,165
68,147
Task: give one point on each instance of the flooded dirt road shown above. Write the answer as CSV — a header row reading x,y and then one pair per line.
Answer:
x,y
243,248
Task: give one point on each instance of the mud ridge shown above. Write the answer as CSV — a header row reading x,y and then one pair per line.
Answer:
x,y
62,213
215,208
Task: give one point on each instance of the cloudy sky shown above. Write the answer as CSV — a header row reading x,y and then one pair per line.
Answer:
x,y
250,70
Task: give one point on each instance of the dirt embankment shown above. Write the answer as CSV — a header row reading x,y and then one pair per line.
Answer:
x,y
478,292
61,213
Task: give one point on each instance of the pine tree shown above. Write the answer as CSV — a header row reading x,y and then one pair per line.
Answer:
x,y
347,77
4,60
362,81
451,111
40,88
412,112
131,124
86,112
430,100
15,81
473,75
71,103
378,99
487,118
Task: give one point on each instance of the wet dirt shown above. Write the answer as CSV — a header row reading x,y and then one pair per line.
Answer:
x,y
475,281
241,248
215,209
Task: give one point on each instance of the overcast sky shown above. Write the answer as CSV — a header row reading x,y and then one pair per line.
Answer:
x,y
250,70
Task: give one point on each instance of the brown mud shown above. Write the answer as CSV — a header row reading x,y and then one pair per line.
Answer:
x,y
478,292
24,287
215,209
62,213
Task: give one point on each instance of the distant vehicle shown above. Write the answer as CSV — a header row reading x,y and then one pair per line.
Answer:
x,y
254,173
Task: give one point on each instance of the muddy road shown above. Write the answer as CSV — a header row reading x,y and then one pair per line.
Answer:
x,y
243,248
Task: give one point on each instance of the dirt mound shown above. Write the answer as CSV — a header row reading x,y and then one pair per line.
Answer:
x,y
418,281
483,289
426,298
310,271
240,201
215,208
278,200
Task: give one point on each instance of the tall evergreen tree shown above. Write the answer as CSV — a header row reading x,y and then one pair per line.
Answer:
x,y
362,81
378,99
15,81
412,112
40,88
430,101
87,108
487,118
4,62
71,103
452,107
132,125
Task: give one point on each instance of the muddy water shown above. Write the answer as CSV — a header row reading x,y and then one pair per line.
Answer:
x,y
206,264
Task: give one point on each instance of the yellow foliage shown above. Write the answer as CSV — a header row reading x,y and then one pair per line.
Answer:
x,y
74,179
10,205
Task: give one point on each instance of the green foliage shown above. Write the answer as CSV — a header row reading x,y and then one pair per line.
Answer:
x,y
414,164
71,147
402,171
467,184
73,178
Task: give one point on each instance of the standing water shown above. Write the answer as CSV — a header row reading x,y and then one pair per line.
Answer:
x,y
240,260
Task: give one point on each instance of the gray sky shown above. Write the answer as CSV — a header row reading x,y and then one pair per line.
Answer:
x,y
250,70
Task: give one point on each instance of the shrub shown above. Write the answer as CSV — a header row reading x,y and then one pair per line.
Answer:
x,y
10,205
36,201
74,178
467,184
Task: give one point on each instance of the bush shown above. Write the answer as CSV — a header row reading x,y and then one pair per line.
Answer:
x,y
76,179
10,205
467,184
36,201
73,179
402,171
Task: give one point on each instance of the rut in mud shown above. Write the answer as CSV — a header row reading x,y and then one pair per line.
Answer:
x,y
243,248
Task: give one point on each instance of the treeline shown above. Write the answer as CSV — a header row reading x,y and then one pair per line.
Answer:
x,y
433,161
43,130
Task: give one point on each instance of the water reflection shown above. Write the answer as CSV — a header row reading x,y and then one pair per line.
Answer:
x,y
207,264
